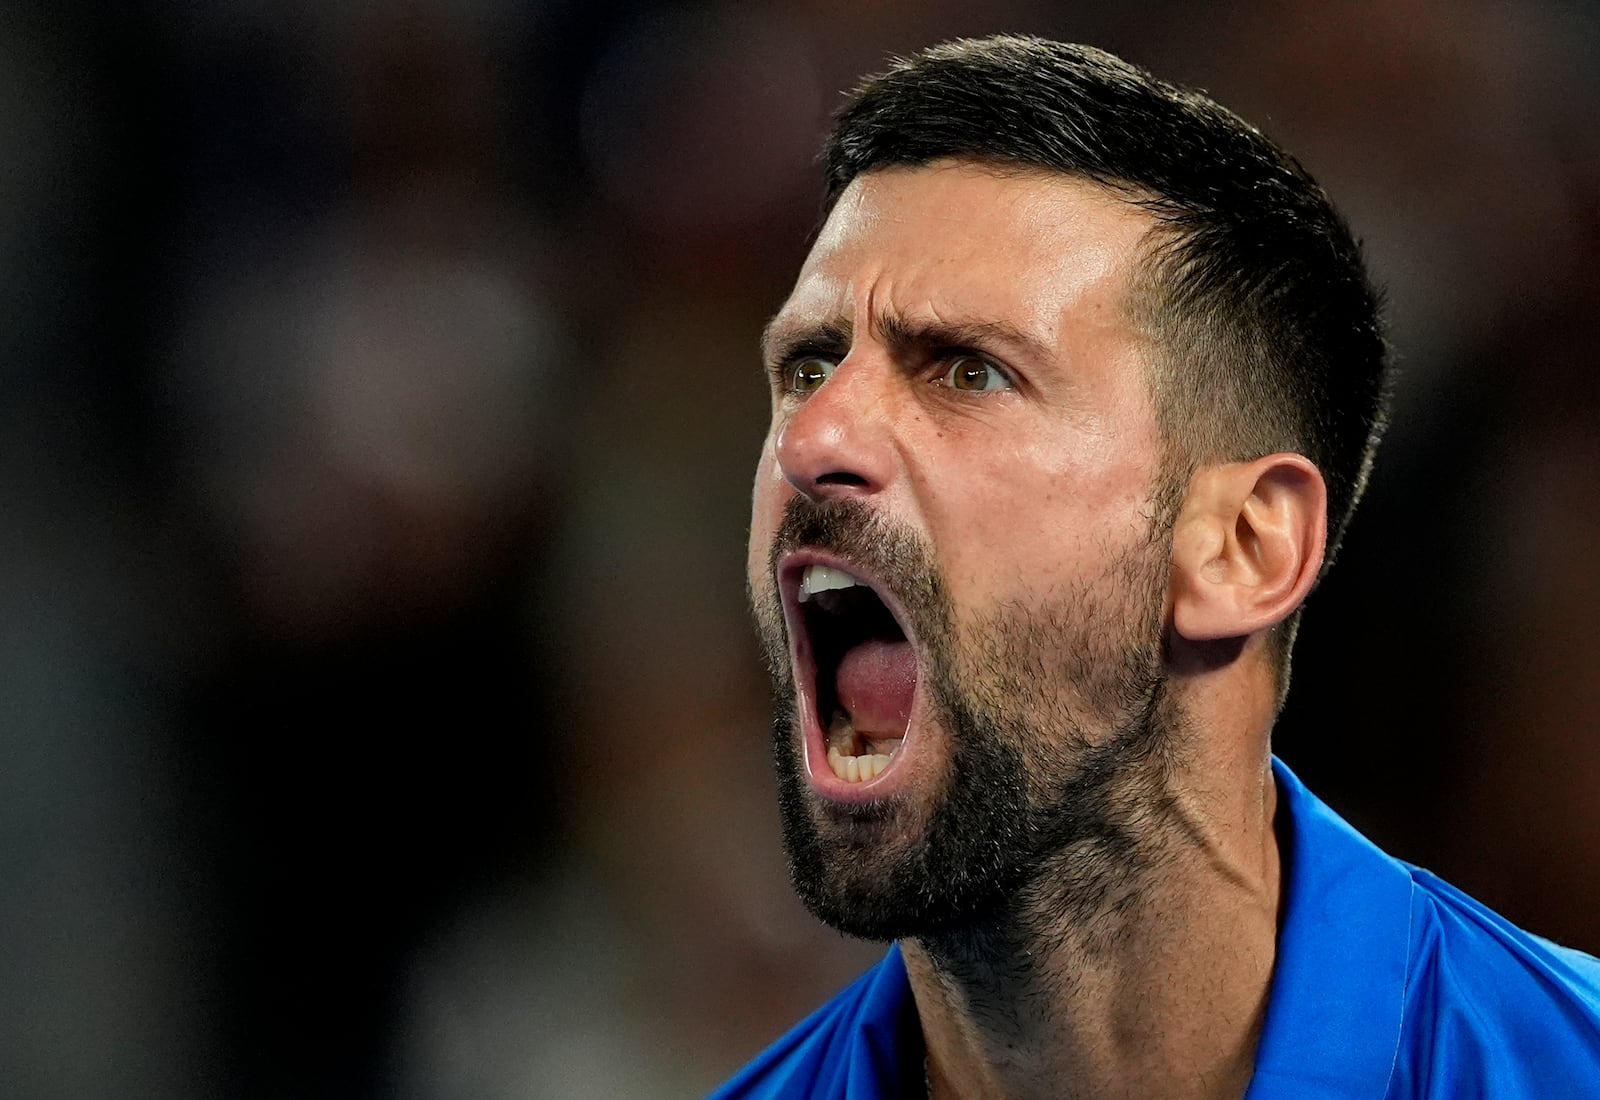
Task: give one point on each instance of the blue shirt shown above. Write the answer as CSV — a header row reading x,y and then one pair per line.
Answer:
x,y
1388,984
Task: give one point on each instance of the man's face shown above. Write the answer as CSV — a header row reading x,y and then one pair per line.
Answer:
x,y
956,564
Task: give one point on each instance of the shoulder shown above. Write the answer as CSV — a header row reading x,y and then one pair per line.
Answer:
x,y
857,1045
1389,982
1491,1009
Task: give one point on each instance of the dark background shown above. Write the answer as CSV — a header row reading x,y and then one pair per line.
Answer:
x,y
378,399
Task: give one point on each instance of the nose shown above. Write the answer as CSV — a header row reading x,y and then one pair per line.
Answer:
x,y
839,443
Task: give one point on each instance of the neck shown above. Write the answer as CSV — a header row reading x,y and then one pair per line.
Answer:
x,y
1140,975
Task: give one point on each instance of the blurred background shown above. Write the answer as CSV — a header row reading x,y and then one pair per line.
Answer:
x,y
378,401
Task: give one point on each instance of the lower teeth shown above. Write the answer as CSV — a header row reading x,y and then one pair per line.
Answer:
x,y
845,756
857,769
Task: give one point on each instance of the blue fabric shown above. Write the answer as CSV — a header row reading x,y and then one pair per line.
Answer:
x,y
1389,984
865,1043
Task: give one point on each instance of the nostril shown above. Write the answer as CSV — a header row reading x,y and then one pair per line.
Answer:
x,y
841,477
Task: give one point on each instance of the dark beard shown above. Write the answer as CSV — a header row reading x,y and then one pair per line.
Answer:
x,y
1058,755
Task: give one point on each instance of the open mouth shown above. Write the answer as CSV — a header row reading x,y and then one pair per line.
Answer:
x,y
856,669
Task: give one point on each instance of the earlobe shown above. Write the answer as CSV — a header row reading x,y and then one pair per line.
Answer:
x,y
1247,546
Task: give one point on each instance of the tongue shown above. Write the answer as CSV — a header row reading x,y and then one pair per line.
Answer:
x,y
874,682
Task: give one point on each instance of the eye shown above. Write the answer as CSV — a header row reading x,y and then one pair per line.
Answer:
x,y
972,374
805,375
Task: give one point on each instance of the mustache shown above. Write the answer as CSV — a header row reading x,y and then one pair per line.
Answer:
x,y
895,554
845,526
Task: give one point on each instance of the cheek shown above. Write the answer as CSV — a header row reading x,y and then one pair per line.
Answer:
x,y
1041,518
767,498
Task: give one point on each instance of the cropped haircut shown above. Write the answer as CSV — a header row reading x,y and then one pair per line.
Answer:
x,y
1265,323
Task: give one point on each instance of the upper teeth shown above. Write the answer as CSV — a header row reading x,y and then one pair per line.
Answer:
x,y
823,578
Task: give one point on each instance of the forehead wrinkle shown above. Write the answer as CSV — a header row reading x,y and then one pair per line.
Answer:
x,y
817,310
855,274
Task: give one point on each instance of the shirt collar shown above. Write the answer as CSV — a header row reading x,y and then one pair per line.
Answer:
x,y
1333,1020
887,1053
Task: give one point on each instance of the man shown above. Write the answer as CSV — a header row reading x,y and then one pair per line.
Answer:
x,y
1072,401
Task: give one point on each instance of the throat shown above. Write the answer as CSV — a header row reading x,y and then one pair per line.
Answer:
x,y
1010,1015
1146,981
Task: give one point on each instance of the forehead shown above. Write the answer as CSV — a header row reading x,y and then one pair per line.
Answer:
x,y
962,242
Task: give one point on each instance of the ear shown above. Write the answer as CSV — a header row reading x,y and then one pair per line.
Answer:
x,y
1247,546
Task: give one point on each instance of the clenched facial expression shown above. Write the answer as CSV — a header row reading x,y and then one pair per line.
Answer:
x,y
958,560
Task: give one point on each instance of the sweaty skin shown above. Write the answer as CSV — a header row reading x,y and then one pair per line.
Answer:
x,y
1022,489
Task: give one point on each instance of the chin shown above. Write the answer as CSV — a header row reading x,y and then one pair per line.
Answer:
x,y
910,864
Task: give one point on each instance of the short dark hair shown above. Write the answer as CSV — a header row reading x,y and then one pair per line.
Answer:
x,y
1255,292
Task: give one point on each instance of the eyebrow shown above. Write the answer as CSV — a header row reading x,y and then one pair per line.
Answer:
x,y
904,334
783,339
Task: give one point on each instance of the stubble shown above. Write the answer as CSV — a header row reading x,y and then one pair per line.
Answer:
x,y
1059,748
